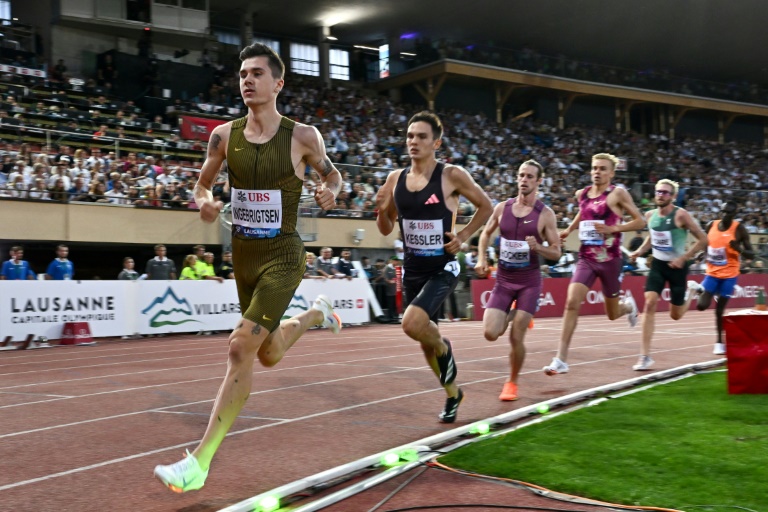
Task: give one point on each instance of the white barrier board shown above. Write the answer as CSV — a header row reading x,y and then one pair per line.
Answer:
x,y
116,308
43,307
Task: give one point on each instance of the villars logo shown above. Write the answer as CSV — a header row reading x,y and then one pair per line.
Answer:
x,y
176,311
298,302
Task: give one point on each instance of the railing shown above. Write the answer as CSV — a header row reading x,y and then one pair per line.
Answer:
x,y
158,147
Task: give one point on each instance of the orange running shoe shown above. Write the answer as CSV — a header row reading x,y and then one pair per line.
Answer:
x,y
509,392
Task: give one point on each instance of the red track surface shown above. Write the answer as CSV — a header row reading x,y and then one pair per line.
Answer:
x,y
81,428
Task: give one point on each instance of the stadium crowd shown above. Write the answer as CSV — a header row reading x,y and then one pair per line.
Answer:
x,y
364,133
365,138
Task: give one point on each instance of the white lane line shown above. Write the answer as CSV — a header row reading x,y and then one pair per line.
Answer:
x,y
218,377
260,427
188,404
298,386
207,414
34,394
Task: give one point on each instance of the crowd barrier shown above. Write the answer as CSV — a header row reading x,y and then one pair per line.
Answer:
x,y
119,308
554,293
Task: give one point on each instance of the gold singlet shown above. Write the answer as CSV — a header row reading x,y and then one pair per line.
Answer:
x,y
267,252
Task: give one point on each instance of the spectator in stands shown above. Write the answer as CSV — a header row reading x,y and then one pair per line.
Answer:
x,y
150,197
365,262
311,271
128,273
103,131
59,71
209,271
344,266
96,159
116,195
226,269
39,191
132,196
16,269
188,270
61,269
636,241
199,252
378,282
107,72
324,264
160,267
173,197
96,194
390,279
59,192
16,187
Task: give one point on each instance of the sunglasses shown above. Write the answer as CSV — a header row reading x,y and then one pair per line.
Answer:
x,y
663,193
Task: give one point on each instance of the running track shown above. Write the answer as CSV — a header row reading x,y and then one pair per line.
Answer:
x,y
81,428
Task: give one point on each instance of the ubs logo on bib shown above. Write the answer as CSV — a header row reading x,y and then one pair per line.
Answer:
x,y
253,197
421,225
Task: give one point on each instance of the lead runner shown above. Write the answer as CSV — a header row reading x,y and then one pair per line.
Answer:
x,y
266,154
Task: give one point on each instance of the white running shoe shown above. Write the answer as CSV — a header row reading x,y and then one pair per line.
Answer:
x,y
644,363
694,288
330,319
555,367
719,349
632,315
185,475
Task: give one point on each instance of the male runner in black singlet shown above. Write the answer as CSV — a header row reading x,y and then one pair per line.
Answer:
x,y
423,199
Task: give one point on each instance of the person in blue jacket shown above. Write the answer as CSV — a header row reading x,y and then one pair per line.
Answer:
x,y
61,269
16,269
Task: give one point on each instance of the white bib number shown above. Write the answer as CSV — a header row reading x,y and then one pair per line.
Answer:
x,y
588,234
257,213
452,267
514,253
716,256
661,240
424,237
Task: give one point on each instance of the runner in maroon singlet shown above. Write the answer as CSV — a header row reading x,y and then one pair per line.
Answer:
x,y
524,223
601,209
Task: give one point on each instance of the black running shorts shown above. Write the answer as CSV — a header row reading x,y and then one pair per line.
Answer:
x,y
430,291
660,273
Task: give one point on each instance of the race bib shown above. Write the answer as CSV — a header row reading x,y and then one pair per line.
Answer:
x,y
716,256
257,213
514,254
423,237
452,267
661,240
588,234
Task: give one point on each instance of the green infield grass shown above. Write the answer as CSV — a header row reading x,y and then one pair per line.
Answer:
x,y
686,445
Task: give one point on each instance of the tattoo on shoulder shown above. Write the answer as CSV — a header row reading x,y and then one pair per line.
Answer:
x,y
327,167
213,145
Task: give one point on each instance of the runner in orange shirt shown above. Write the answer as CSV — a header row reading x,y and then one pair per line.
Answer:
x,y
728,241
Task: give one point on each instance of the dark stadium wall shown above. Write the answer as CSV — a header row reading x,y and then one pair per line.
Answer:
x,y
455,96
467,98
747,129
38,14
184,80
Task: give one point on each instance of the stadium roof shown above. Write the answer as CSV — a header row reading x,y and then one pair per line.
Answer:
x,y
722,40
